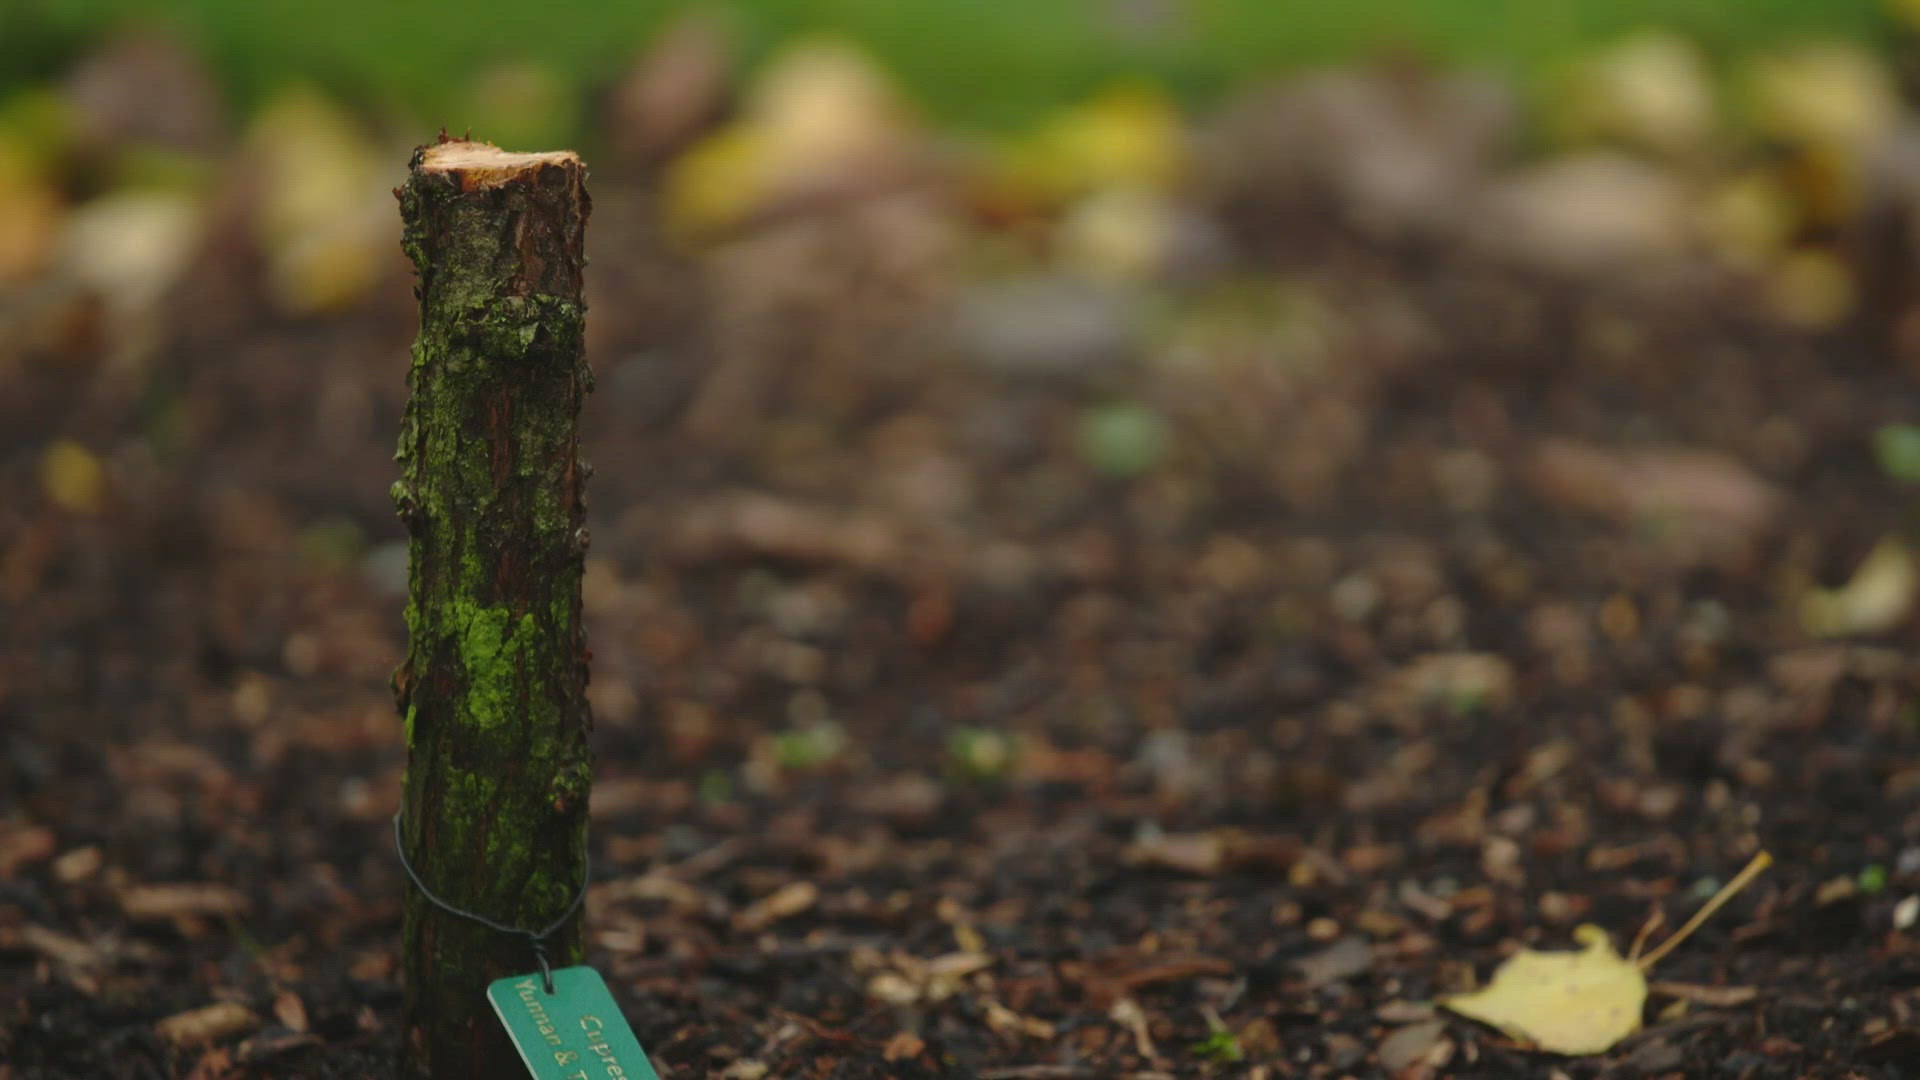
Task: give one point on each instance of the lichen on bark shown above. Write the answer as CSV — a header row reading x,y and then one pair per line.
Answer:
x,y
493,687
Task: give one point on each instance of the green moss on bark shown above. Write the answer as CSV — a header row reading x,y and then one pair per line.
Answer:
x,y
493,688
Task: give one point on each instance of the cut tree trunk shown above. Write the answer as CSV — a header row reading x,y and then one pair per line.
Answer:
x,y
494,812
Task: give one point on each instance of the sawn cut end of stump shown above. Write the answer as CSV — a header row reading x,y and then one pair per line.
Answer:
x,y
484,165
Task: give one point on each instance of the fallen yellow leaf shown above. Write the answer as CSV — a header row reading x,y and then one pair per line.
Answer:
x,y
1563,1003
1582,1002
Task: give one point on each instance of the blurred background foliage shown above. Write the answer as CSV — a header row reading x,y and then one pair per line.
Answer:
x,y
993,62
1054,186
1767,111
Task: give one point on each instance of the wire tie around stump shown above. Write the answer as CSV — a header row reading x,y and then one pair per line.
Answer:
x,y
538,939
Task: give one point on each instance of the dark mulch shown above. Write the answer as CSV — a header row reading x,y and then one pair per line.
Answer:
x,y
927,749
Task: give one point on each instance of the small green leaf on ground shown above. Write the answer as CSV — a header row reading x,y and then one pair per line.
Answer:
x,y
979,753
1221,1047
1873,879
1897,446
1123,439
811,747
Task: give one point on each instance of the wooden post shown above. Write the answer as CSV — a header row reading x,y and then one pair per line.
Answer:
x,y
493,688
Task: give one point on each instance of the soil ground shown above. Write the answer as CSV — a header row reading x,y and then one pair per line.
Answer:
x,y
934,740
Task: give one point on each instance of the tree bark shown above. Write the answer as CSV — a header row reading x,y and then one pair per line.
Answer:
x,y
493,688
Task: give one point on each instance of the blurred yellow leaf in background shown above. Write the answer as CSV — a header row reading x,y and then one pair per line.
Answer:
x,y
1831,105
824,108
323,221
30,211
1833,94
1128,136
33,129
820,117
1651,91
131,246
72,477
1749,219
1122,233
1812,287
715,183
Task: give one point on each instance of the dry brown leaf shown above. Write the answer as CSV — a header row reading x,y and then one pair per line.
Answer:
x,y
785,902
182,900
910,979
1591,211
256,1049
1127,1013
77,865
683,898
18,847
1701,493
958,965
903,1046
892,988
1011,1024
1409,1044
761,526
209,1023
290,1010
1713,996
215,1064
1112,985
629,940
78,955
1342,960
1202,854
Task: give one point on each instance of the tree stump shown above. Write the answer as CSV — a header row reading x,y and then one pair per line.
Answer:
x,y
494,815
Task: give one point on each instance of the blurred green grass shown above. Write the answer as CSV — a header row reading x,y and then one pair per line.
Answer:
x,y
987,62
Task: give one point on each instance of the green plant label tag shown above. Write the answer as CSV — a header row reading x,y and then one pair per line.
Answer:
x,y
574,1033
